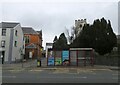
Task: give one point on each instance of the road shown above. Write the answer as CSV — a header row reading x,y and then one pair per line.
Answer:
x,y
61,75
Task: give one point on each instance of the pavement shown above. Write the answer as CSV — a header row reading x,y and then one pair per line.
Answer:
x,y
32,64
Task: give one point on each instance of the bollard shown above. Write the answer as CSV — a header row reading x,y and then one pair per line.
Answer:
x,y
38,63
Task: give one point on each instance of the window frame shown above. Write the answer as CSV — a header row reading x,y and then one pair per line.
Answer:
x,y
16,33
3,43
27,39
4,31
15,44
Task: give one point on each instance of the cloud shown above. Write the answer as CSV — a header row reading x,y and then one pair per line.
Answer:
x,y
52,16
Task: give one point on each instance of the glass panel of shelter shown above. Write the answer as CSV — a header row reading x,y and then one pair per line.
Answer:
x,y
81,58
73,58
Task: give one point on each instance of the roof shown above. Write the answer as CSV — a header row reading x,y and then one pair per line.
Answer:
x,y
40,32
49,44
118,36
31,46
8,24
81,49
29,30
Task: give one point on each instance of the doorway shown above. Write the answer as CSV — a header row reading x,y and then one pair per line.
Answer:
x,y
3,55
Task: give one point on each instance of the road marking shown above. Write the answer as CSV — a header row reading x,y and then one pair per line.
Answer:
x,y
61,71
72,73
100,69
8,76
17,70
94,73
116,78
35,70
66,77
115,74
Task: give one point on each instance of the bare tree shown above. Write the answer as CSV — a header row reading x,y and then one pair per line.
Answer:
x,y
71,36
67,35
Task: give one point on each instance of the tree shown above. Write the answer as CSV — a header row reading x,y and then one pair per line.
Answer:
x,y
61,43
71,36
55,39
105,39
99,36
83,39
55,42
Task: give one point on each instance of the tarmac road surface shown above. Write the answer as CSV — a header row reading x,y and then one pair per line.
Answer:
x,y
61,75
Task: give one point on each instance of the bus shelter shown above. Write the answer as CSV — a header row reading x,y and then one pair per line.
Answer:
x,y
81,56
72,57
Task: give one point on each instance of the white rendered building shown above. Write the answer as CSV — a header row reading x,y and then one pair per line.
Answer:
x,y
11,42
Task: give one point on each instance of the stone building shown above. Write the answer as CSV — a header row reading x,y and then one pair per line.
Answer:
x,y
79,24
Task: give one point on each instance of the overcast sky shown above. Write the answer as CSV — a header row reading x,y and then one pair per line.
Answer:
x,y
53,16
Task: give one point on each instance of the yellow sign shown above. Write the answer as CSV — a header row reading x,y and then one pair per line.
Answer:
x,y
38,63
41,49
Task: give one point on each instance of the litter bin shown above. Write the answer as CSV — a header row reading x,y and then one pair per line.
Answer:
x,y
38,63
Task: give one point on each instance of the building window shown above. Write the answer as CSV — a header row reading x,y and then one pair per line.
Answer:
x,y
16,33
3,32
3,43
23,46
80,26
27,40
15,44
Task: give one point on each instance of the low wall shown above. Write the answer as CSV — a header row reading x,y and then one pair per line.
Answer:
x,y
109,60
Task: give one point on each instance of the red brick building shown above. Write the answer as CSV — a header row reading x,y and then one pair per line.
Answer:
x,y
33,43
